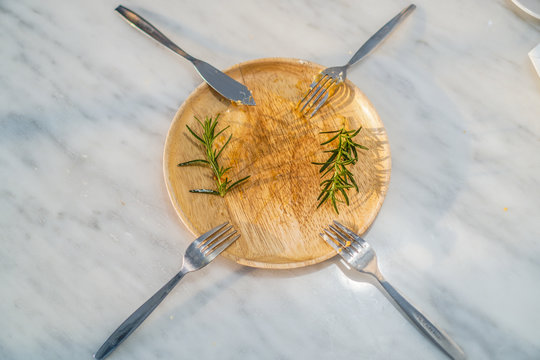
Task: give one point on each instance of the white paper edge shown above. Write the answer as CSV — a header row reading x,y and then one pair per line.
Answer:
x,y
534,54
523,8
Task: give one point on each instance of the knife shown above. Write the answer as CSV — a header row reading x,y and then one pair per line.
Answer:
x,y
223,84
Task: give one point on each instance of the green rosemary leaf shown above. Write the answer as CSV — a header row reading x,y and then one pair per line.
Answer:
x,y
344,196
351,179
358,145
329,181
332,139
325,189
195,135
221,131
224,170
193,162
224,145
238,182
355,154
204,191
329,161
327,171
325,197
199,121
348,157
333,198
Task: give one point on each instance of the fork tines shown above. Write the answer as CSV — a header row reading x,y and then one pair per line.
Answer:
x,y
340,238
317,95
216,240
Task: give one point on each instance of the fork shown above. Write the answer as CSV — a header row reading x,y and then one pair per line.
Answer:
x,y
326,81
361,256
199,253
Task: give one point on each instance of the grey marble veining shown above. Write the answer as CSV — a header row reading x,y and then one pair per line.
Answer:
x,y
87,231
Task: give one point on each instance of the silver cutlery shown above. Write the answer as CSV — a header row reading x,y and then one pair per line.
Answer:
x,y
199,253
222,83
361,256
326,81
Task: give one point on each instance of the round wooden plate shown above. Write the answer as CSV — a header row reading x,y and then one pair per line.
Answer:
x,y
275,211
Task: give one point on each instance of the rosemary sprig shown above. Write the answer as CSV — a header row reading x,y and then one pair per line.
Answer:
x,y
341,179
207,138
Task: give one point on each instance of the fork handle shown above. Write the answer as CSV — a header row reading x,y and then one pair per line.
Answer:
x,y
136,319
380,35
423,323
140,23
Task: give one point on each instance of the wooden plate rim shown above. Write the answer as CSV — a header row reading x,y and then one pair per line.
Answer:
x,y
185,220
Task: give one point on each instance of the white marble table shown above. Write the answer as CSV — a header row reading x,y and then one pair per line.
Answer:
x,y
87,231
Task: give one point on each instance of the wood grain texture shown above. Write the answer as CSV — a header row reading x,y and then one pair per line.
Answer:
x,y
275,210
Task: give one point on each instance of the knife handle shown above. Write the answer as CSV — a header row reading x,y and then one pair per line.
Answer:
x,y
438,336
380,35
140,23
134,320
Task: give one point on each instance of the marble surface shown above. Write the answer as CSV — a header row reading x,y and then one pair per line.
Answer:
x,y
87,231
